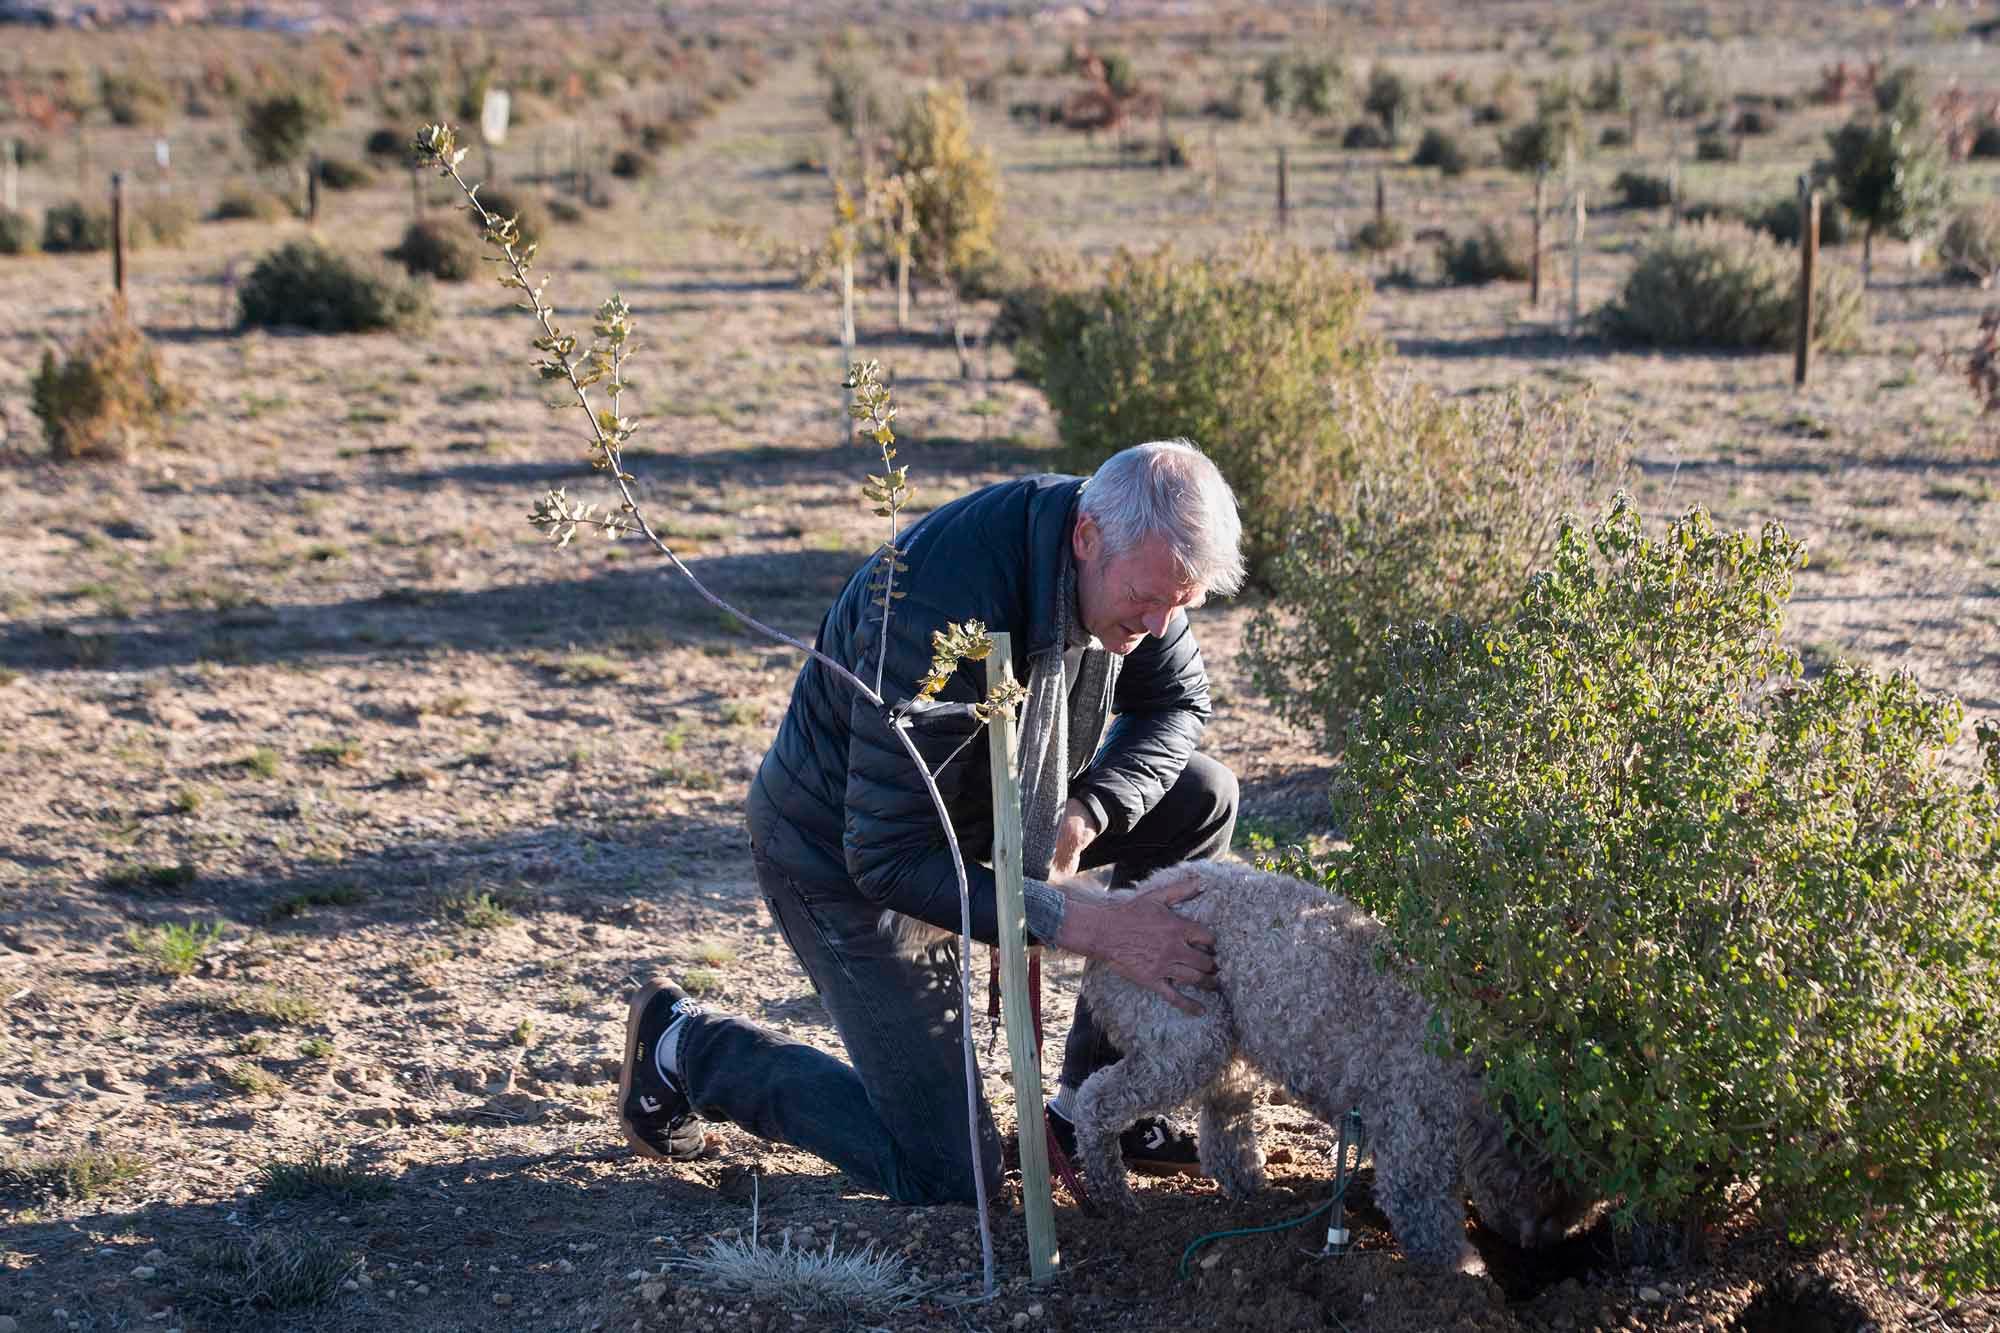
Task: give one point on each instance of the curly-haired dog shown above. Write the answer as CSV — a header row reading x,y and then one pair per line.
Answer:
x,y
1303,1003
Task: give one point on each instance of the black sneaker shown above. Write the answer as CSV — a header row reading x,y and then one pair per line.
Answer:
x,y
657,1117
1153,1146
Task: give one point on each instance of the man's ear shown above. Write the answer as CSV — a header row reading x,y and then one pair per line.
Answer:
x,y
1086,539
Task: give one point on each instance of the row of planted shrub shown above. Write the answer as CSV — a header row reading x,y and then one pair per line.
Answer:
x,y
1713,928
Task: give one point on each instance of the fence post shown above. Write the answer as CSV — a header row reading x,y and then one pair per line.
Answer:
x,y
1214,169
10,176
1808,258
1284,200
1381,202
312,190
118,232
1575,262
1535,244
1015,1001
1166,139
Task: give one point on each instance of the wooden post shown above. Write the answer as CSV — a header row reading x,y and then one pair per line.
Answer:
x,y
416,191
1381,202
312,190
118,232
1015,1002
1214,169
1284,200
906,226
1575,262
1535,244
10,176
576,161
1808,258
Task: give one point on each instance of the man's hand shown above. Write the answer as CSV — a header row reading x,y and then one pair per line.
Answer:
x,y
1076,832
1145,941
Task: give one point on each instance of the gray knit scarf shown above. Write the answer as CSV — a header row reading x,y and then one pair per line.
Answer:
x,y
1062,724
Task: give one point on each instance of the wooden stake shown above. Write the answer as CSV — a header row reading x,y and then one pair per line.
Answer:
x,y
312,190
1535,266
1381,201
1284,201
118,232
10,176
1575,262
1808,258
1015,1002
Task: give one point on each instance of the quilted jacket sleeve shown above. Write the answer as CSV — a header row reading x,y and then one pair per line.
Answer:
x,y
1162,707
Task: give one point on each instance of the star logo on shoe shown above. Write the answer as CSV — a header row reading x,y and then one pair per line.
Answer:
x,y
1156,1137
650,1105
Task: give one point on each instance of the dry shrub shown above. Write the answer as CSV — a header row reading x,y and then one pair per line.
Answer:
x,y
1781,219
1451,506
1971,244
19,234
304,285
529,214
76,228
165,219
238,203
1441,150
340,173
437,249
105,396
1642,189
1720,284
1235,351
1493,253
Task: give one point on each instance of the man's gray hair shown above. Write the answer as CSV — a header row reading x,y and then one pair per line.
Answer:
x,y
1170,489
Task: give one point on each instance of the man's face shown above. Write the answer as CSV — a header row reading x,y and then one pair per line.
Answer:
x,y
1123,598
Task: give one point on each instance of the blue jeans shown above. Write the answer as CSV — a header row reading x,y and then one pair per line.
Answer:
x,y
895,1119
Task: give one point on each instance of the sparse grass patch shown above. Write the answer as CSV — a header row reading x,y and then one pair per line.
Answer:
x,y
688,777
739,713
589,669
71,1176
339,753
523,1033
163,880
714,953
476,911
318,1176
1956,492
261,762
175,949
268,1270
701,980
802,1280
252,1080
268,1004
673,739
316,1048
574,999
185,802
294,905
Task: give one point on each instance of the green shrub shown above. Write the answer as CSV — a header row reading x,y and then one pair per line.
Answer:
x,y
1540,144
1236,351
1450,508
339,173
1971,244
631,164
1890,177
434,248
277,128
1780,218
1364,134
1986,143
1492,253
954,183
1614,136
1441,150
1387,99
387,142
1714,147
134,99
1640,189
1710,211
304,285
530,215
19,234
1719,284
106,395
1378,235
238,203
1754,120
1705,924
75,228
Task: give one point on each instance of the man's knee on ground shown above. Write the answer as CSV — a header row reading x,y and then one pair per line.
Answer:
x,y
933,1182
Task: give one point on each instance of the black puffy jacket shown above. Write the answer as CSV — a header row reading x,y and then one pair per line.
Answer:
x,y
837,796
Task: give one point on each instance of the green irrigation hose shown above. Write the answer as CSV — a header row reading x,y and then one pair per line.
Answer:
x,y
1343,1176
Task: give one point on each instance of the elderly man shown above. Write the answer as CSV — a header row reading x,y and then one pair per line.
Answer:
x,y
1091,579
